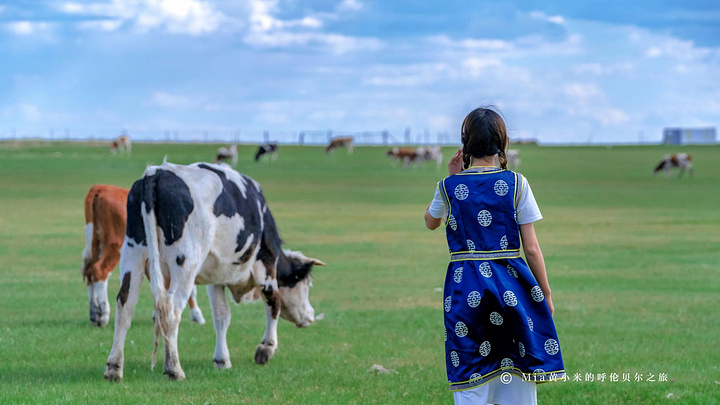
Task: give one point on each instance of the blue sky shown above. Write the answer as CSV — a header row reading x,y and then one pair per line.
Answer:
x,y
560,71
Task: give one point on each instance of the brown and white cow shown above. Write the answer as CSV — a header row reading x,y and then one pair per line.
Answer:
x,y
341,142
679,160
122,144
416,155
225,153
105,218
205,224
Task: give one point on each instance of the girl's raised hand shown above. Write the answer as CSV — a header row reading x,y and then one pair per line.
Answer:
x,y
455,165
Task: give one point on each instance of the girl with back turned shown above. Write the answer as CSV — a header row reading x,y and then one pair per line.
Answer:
x,y
500,339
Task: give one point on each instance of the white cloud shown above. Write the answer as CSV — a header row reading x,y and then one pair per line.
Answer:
x,y
583,92
338,44
408,75
27,27
471,43
27,112
266,30
653,52
167,100
100,25
193,17
611,116
555,19
352,5
477,66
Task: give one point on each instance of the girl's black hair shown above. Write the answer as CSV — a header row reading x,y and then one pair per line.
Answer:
x,y
484,134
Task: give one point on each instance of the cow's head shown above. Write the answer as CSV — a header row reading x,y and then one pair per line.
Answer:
x,y
293,276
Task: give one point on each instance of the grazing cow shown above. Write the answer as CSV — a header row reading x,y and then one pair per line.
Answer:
x,y
406,155
266,149
223,154
105,218
121,143
513,158
430,153
680,160
417,155
340,142
205,224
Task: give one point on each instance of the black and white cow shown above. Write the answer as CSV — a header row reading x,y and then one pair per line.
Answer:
x,y
205,224
267,148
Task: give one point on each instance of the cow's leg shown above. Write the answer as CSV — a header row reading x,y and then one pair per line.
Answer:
x,y
99,303
221,319
269,344
132,265
178,296
87,252
195,312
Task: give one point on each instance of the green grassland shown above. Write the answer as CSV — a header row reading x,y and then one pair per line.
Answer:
x,y
633,261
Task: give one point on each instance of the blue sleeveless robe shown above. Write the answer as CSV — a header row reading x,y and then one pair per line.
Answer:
x,y
496,317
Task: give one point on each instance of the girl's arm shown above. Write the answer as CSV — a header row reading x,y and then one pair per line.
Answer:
x,y
535,260
431,222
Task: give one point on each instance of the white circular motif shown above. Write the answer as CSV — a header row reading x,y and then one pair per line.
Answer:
x,y
448,302
460,329
521,349
496,319
551,346
451,221
485,270
454,358
445,334
509,298
503,242
506,362
501,188
512,272
530,323
485,348
484,218
537,294
457,276
473,299
471,245
475,376
461,192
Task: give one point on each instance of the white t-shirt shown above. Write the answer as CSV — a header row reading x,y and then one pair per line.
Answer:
x,y
527,209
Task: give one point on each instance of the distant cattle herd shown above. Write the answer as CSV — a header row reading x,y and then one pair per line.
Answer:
x,y
205,223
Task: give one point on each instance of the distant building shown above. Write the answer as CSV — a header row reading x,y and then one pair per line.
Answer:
x,y
689,136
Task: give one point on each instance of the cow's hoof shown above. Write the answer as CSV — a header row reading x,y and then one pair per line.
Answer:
x,y
175,375
222,364
263,354
197,317
113,372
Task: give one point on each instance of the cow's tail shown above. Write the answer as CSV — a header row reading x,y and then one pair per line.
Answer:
x,y
157,281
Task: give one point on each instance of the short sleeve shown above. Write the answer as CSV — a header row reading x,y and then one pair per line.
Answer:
x,y
527,208
437,208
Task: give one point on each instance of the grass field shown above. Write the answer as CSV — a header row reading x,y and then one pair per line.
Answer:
x,y
633,261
